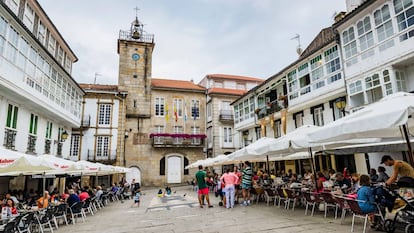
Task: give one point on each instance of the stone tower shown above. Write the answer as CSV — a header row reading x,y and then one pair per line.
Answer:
x,y
135,64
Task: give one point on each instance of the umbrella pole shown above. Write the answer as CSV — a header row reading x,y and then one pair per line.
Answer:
x,y
313,166
267,164
407,139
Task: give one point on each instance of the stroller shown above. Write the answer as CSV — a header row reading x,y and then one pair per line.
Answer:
x,y
404,216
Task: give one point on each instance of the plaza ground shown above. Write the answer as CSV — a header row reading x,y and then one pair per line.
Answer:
x,y
181,213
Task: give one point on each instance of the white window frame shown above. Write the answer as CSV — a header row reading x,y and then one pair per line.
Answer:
x,y
178,106
102,146
104,115
74,145
318,116
28,17
159,107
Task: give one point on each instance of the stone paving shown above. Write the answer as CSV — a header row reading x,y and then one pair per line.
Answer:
x,y
181,213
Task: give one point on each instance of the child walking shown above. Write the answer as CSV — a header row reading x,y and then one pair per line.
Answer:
x,y
137,198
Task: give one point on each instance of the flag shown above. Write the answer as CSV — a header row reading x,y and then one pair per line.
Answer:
x,y
185,111
167,117
175,114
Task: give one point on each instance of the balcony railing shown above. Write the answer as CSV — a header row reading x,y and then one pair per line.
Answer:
x,y
226,115
106,157
10,138
48,143
270,108
177,140
127,35
31,144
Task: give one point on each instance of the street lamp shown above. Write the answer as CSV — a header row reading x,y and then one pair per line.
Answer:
x,y
63,136
340,104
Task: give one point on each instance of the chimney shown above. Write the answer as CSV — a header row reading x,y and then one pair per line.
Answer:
x,y
352,4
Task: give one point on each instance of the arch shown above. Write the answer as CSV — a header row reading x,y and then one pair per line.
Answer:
x,y
135,173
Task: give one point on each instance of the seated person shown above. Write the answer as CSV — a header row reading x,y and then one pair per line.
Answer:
x,y
366,196
167,191
343,183
84,194
99,192
43,201
11,207
73,198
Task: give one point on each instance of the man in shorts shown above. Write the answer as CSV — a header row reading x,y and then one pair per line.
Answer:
x,y
201,177
247,177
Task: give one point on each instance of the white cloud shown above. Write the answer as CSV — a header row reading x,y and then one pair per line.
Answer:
x,y
193,37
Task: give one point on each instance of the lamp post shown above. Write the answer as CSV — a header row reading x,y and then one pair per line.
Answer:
x,y
340,104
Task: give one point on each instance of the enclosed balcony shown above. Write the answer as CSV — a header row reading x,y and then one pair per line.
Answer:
x,y
102,156
270,108
177,140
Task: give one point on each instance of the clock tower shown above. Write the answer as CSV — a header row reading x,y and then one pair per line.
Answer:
x,y
134,82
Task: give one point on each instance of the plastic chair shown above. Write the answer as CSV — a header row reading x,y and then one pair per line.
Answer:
x,y
329,201
342,202
311,199
270,195
291,196
281,196
60,213
26,223
357,212
9,227
76,211
87,206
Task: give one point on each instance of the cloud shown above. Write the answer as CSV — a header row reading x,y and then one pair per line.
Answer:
x,y
193,37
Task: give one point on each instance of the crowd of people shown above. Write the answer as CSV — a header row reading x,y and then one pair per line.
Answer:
x,y
353,185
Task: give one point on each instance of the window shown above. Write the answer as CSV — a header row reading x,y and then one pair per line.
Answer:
x,y
372,81
303,70
333,66
236,113
41,33
400,81
365,36
387,82
28,17
162,166
12,45
159,106
241,112
246,109
33,124
227,135
104,117
355,87
102,146
404,11
49,127
331,53
349,42
251,102
13,5
12,113
68,64
218,84
60,55
316,62
318,116
334,78
277,128
178,107
241,86
195,109
74,145
298,117
383,23
51,47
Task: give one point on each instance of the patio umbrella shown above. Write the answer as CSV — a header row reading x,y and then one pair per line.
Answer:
x,y
13,163
257,151
391,117
60,165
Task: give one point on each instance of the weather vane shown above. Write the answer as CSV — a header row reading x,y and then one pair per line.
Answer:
x,y
136,11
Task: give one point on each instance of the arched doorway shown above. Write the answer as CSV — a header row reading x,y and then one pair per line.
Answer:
x,y
174,168
134,173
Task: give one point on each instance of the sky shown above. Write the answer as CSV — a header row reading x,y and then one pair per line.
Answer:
x,y
193,38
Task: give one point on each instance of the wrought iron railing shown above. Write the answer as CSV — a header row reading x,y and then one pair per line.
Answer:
x,y
177,140
10,138
226,115
270,108
48,144
31,144
101,155
127,35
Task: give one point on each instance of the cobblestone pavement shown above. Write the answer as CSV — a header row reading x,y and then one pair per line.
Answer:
x,y
181,213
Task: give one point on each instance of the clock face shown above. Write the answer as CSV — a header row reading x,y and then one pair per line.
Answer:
x,y
135,56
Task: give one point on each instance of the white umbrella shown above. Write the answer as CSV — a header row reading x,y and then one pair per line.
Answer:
x,y
194,165
13,163
255,151
294,156
385,118
61,166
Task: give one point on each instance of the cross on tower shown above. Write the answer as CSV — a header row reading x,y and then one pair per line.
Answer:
x,y
136,11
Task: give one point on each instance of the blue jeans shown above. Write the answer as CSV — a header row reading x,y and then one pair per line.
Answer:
x,y
229,196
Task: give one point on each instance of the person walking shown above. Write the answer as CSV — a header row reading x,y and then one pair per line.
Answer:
x,y
229,179
201,177
247,179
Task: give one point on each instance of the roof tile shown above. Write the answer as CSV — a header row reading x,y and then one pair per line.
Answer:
x,y
176,84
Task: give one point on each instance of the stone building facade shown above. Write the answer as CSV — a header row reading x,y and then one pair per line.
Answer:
x,y
157,138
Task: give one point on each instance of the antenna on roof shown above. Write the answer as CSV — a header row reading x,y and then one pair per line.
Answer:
x,y
96,75
298,49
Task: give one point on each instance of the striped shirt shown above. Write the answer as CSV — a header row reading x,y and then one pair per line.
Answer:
x,y
247,176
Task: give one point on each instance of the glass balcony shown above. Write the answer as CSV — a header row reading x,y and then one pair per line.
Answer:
x,y
177,140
